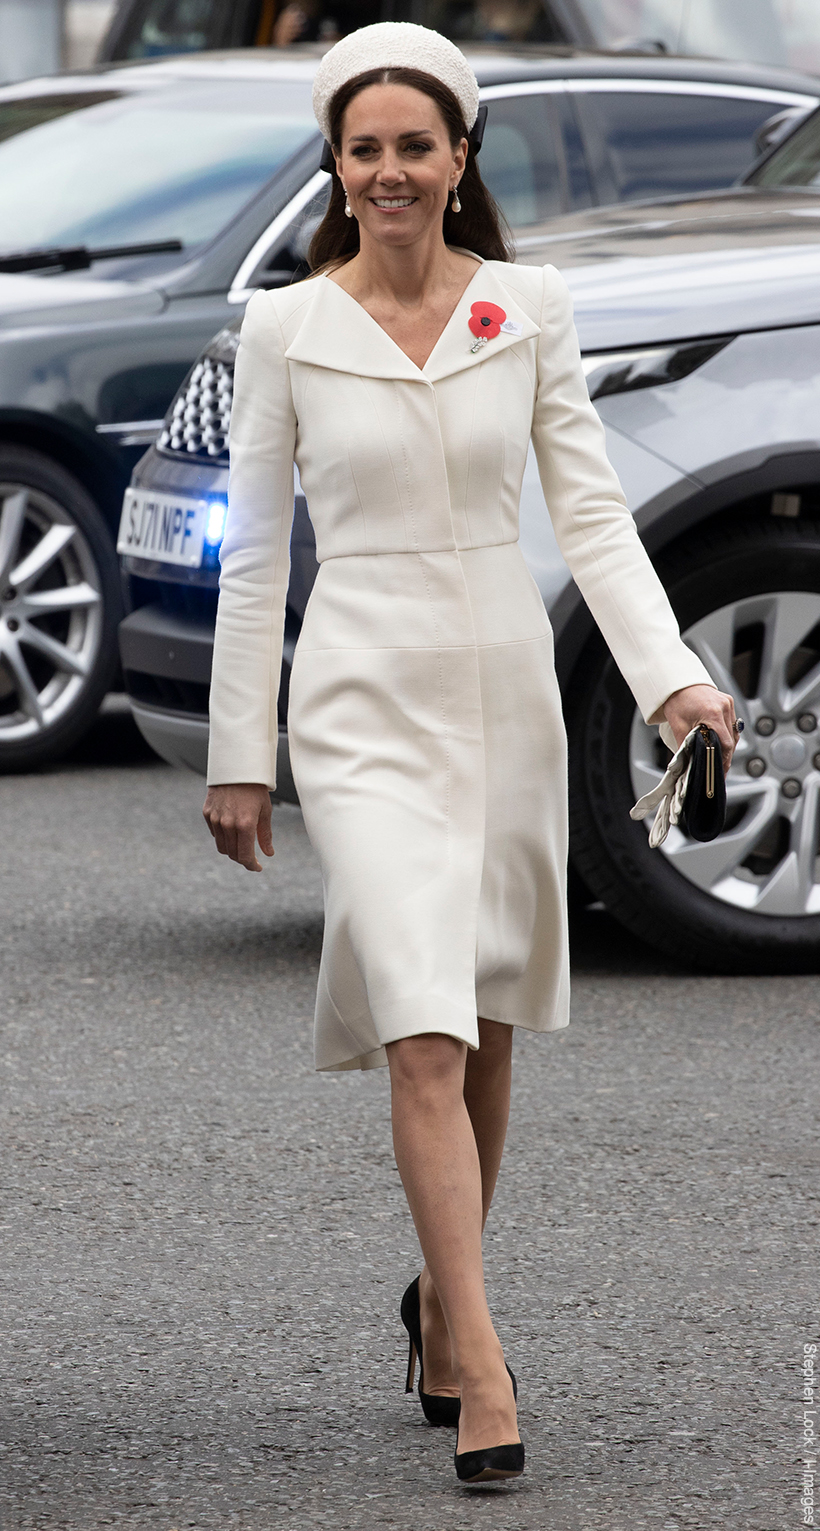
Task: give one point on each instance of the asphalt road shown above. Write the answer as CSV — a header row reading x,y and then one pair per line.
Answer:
x,y
204,1242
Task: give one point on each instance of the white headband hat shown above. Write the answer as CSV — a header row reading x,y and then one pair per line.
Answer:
x,y
394,45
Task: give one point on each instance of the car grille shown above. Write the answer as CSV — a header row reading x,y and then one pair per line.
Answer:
x,y
171,695
201,415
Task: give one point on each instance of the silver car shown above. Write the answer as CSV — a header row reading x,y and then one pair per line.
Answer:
x,y
699,321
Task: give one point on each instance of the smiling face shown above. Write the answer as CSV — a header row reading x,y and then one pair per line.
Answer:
x,y
397,163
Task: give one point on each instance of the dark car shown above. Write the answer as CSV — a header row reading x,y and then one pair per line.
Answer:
x,y
139,207
761,31
699,321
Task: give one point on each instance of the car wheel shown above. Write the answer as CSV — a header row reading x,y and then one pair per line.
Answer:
x,y
59,607
748,602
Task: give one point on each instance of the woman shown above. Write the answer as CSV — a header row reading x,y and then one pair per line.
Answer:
x,y
406,378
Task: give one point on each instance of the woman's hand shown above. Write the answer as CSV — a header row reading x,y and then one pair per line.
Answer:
x,y
238,815
703,704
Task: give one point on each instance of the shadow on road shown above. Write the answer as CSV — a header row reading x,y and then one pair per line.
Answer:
x,y
112,740
598,944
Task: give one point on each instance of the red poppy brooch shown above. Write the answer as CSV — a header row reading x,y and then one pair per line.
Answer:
x,y
486,321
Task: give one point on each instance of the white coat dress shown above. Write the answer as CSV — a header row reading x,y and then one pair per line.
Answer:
x,y
425,725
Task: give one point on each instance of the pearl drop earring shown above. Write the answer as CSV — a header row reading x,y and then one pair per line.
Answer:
x,y
348,208
456,204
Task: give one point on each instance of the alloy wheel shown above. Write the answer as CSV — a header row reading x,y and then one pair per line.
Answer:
x,y
764,651
51,612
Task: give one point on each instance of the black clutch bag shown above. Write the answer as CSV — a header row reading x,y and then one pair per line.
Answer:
x,y
704,806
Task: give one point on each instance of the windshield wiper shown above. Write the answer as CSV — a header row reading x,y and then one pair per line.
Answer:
x,y
79,257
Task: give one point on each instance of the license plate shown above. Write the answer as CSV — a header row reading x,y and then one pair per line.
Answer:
x,y
165,528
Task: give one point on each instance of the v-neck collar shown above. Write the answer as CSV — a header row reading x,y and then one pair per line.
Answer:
x,y
338,333
421,370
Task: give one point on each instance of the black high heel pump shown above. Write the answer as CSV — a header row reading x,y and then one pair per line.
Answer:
x,y
491,1464
438,1408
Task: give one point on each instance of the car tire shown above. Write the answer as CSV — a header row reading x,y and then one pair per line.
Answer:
x,y
60,602
740,580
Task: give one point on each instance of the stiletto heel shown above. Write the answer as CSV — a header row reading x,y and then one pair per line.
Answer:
x,y
438,1408
411,1367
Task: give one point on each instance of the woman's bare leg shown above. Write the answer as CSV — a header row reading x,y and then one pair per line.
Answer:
x,y
487,1079
439,1164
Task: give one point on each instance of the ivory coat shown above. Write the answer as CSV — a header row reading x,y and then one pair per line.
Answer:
x,y
425,725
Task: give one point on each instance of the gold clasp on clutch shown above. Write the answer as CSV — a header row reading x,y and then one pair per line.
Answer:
x,y
710,760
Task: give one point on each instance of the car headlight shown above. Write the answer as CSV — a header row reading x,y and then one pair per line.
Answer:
x,y
649,366
215,524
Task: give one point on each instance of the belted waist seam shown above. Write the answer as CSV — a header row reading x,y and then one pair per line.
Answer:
x,y
482,547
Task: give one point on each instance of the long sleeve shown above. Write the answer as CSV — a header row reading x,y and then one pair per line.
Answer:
x,y
593,526
255,557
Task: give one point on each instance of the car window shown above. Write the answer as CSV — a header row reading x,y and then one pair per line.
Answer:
x,y
758,31
488,21
668,142
520,159
287,259
176,163
157,27
795,163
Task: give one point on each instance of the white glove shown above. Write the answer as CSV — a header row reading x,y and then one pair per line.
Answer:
x,y
669,794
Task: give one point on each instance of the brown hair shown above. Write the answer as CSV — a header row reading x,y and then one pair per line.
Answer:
x,y
480,226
